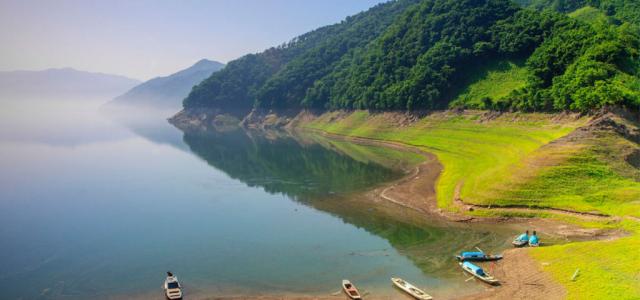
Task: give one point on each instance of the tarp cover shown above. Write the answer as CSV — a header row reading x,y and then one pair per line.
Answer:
x,y
474,268
472,254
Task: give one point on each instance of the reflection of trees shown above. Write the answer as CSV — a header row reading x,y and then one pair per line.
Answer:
x,y
323,177
285,166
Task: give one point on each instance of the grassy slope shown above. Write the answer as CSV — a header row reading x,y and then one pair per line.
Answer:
x,y
588,175
590,15
608,269
475,154
493,81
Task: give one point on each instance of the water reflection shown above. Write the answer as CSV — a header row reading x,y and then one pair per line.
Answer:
x,y
232,212
286,166
334,177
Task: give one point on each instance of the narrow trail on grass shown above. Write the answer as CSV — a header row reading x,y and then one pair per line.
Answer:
x,y
466,206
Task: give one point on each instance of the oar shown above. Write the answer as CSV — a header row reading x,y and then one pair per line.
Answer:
x,y
479,249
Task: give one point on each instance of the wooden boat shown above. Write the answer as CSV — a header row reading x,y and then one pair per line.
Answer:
x,y
410,289
478,273
477,256
351,290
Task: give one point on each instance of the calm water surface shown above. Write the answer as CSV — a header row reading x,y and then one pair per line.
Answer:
x,y
92,207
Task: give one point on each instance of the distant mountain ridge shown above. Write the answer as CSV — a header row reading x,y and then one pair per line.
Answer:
x,y
168,91
63,82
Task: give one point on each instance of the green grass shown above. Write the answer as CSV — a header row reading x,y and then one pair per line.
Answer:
x,y
589,14
492,82
475,155
608,269
593,176
387,157
583,183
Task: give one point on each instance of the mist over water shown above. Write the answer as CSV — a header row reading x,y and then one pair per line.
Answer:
x,y
94,205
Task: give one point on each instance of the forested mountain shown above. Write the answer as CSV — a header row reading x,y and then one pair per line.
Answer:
x,y
61,84
291,67
414,55
168,91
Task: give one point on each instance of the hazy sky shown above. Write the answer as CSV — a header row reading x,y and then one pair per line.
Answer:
x,y
143,39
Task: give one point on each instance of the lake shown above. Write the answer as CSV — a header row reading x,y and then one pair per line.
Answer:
x,y
93,206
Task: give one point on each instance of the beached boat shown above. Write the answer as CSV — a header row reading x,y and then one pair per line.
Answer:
x,y
519,243
172,288
351,290
478,273
477,256
410,289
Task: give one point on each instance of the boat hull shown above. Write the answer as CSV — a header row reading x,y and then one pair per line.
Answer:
x,y
519,243
351,291
488,279
484,258
410,289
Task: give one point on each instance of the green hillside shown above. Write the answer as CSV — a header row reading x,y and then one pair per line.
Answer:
x,y
413,55
491,82
590,15
257,78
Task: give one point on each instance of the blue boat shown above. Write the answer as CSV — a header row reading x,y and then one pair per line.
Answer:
x,y
478,273
477,256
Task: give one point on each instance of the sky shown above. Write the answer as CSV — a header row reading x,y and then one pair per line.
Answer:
x,y
142,39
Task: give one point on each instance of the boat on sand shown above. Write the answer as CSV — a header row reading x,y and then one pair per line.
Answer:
x,y
351,290
477,256
478,273
410,289
172,288
519,243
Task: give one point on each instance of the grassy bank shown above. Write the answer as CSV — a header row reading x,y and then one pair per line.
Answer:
x,y
607,269
529,159
476,154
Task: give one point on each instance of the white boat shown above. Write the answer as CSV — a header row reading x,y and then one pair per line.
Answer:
x,y
411,289
351,290
172,288
478,273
